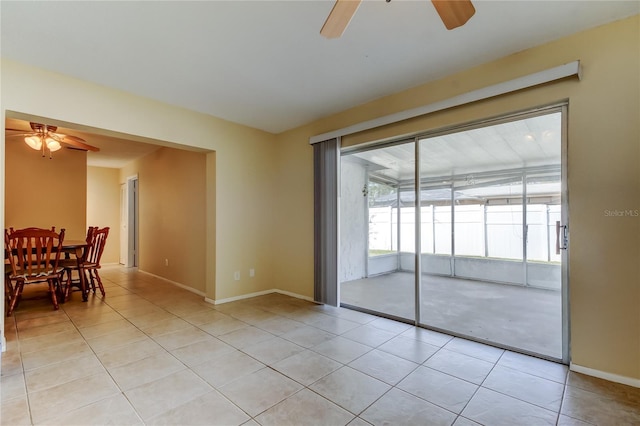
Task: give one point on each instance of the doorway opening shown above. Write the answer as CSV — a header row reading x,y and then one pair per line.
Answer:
x,y
462,232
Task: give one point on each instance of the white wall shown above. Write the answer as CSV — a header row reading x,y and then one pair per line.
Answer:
x,y
353,228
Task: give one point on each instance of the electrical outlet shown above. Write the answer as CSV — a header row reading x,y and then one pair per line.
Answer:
x,y
252,272
236,275
166,262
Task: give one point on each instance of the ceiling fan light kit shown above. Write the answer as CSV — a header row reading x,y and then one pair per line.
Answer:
x,y
44,138
453,13
52,144
34,142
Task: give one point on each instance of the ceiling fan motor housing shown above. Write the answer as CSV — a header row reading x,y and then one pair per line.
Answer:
x,y
42,128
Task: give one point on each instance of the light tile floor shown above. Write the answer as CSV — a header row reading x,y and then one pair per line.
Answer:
x,y
152,353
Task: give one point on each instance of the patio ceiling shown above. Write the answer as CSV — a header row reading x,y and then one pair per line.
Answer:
x,y
531,142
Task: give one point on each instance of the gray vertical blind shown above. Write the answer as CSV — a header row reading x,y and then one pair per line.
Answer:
x,y
325,194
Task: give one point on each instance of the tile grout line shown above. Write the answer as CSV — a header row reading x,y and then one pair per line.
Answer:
x,y
480,385
229,313
106,370
122,392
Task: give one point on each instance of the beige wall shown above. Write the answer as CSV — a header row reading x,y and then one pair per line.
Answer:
x,y
245,208
45,192
240,174
171,191
240,230
603,174
103,208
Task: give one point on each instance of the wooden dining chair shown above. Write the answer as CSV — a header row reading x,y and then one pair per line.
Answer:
x,y
71,265
93,256
8,286
89,264
33,255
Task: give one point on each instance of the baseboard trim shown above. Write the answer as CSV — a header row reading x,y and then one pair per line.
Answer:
x,y
296,295
191,289
255,294
630,381
235,298
229,299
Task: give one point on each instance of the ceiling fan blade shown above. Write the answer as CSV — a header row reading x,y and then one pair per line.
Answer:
x,y
454,13
77,142
22,131
339,18
42,130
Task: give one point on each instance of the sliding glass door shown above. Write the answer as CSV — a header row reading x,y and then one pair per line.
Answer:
x,y
482,212
377,231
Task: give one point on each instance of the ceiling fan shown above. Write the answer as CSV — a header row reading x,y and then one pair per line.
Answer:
x,y
454,13
44,137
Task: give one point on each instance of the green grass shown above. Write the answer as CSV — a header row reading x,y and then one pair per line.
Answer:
x,y
380,252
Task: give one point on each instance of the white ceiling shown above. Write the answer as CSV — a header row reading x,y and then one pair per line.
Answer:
x,y
263,63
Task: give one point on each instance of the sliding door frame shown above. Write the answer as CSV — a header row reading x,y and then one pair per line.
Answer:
x,y
561,107
564,217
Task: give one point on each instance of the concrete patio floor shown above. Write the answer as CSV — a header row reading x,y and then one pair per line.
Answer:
x,y
514,317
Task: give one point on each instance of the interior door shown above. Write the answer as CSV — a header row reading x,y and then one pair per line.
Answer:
x,y
129,222
124,233
132,221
